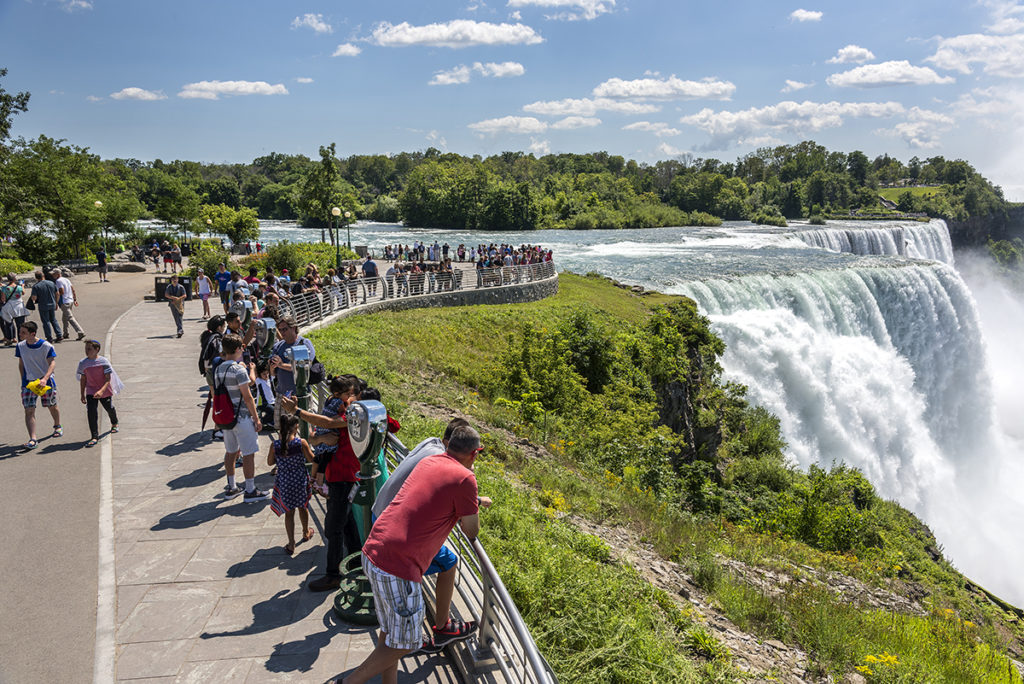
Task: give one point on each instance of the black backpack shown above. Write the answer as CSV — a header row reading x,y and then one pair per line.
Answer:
x,y
210,343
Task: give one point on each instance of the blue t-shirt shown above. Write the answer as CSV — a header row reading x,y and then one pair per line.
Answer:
x,y
222,278
36,360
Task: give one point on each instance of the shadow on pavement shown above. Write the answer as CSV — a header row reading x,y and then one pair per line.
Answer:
x,y
299,656
275,557
184,445
197,478
207,512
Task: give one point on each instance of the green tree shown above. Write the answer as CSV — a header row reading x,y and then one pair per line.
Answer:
x,y
324,189
239,225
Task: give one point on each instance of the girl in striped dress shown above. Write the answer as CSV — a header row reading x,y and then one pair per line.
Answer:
x,y
290,454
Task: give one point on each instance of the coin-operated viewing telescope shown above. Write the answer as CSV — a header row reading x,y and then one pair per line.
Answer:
x,y
266,336
300,360
367,432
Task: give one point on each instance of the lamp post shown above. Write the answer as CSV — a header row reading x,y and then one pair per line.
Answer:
x,y
103,224
348,230
209,226
336,212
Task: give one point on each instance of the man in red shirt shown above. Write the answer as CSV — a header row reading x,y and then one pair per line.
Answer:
x,y
440,492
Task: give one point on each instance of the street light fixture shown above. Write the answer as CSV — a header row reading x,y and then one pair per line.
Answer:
x,y
336,212
348,230
103,224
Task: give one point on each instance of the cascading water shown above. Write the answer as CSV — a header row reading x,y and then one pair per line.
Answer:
x,y
917,240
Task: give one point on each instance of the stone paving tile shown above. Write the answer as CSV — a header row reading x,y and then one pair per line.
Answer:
x,y
297,668
221,671
176,618
155,561
152,659
128,596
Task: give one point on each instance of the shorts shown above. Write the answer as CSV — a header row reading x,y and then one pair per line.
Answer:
x,y
400,608
225,296
445,559
101,269
204,296
168,260
28,398
242,438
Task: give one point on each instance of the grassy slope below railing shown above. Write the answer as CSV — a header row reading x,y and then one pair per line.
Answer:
x,y
599,621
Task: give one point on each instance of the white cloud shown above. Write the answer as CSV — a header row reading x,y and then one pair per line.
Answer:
x,y
93,98
727,127
463,73
658,128
992,106
793,86
346,50
540,147
671,88
212,90
56,92
303,79
500,70
1007,25
458,33
922,128
459,74
1004,15
571,122
854,54
510,124
436,137
75,5
572,9
802,15
313,21
138,94
669,151
516,16
588,107
892,73
998,55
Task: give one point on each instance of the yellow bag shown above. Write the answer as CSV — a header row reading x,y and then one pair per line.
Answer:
x,y
39,388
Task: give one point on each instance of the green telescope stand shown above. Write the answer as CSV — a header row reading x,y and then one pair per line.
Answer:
x,y
367,430
298,356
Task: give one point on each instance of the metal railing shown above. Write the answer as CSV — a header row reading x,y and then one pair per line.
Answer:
x,y
310,307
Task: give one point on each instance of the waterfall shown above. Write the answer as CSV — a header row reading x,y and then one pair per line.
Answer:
x,y
917,240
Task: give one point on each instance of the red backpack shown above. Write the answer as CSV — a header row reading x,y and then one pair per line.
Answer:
x,y
225,414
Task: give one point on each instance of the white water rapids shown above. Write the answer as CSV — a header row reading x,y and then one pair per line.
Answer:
x,y
862,338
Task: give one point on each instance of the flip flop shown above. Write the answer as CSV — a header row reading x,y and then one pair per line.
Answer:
x,y
31,444
58,431
113,428
289,549
91,443
307,535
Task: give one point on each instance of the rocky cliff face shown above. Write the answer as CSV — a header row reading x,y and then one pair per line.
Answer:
x,y
977,230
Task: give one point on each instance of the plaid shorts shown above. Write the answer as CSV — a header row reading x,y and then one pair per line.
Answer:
x,y
400,608
28,398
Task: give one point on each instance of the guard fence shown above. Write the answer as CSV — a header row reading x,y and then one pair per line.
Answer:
x,y
310,307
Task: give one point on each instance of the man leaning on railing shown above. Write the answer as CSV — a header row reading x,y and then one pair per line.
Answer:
x,y
440,492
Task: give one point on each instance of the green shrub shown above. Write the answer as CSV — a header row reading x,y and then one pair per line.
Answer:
x,y
16,266
295,255
817,220
769,215
208,257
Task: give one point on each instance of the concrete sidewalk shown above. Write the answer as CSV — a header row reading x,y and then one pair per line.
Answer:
x,y
204,590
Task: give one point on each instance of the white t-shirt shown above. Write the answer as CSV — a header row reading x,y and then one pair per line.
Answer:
x,y
204,285
35,359
67,296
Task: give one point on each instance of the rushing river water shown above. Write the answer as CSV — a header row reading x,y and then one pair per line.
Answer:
x,y
862,337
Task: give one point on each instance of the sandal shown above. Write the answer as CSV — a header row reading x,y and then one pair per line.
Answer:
x,y
58,431
308,534
113,429
91,443
31,444
289,549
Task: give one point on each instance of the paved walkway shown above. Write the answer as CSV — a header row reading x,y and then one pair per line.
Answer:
x,y
204,590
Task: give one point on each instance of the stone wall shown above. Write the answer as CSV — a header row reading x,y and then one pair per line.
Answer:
x,y
508,294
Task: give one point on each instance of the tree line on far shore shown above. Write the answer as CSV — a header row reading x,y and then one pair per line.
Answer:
x,y
51,183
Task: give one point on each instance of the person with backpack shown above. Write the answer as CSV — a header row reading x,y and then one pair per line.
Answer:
x,y
234,412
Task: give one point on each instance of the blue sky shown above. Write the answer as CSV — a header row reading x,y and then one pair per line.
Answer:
x,y
232,80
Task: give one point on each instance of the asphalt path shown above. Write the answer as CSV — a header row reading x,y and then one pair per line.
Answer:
x,y
49,503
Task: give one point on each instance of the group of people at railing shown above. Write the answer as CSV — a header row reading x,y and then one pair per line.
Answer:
x,y
491,255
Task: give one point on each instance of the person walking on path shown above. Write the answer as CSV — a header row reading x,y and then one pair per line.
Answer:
x,y
203,288
176,258
67,302
439,493
175,295
37,360
99,384
291,483
44,295
101,264
13,313
223,278
243,438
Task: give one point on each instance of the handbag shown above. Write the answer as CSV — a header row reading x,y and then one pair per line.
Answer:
x,y
30,304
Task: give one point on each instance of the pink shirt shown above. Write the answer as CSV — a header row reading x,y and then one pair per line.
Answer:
x,y
410,531
97,372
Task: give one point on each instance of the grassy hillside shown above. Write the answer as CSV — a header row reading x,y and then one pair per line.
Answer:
x,y
602,407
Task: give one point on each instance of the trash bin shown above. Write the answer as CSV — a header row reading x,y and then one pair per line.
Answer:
x,y
161,282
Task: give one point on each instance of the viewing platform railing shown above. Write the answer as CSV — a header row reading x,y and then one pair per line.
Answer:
x,y
311,307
